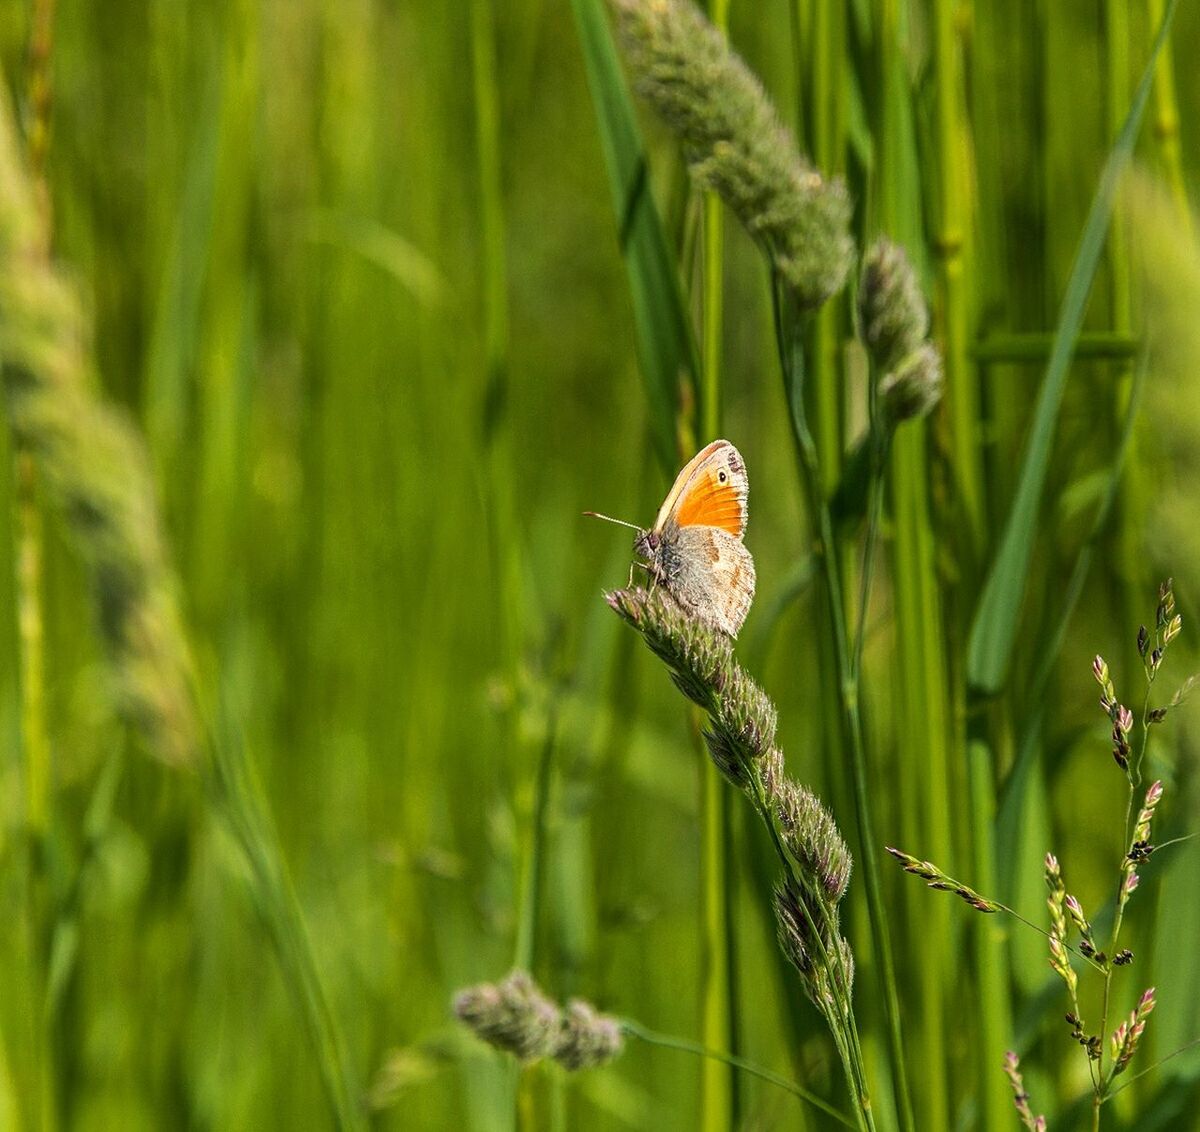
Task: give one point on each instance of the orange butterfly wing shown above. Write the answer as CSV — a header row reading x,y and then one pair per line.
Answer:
x,y
709,503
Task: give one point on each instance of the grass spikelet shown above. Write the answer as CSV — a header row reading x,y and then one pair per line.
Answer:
x,y
894,321
1012,1070
893,314
1128,1034
936,879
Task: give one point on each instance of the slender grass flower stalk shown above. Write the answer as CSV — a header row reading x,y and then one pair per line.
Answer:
x,y
1066,913
741,741
736,145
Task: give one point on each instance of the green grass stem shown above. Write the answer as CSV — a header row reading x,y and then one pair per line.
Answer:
x,y
952,257
791,359
923,711
718,1097
828,55
668,1041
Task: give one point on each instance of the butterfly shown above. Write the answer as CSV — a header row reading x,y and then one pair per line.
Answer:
x,y
695,547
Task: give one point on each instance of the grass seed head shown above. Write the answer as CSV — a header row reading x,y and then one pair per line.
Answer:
x,y
736,145
515,1016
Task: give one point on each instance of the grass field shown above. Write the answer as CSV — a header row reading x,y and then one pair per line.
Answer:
x,y
320,327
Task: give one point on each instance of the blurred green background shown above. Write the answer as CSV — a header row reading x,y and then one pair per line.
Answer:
x,y
354,269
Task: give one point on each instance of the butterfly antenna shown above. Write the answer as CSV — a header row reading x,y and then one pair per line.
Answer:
x,y
610,519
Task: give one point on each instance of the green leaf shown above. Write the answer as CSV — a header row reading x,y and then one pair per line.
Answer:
x,y
665,345
995,626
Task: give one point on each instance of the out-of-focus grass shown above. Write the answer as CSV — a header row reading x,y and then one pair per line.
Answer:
x,y
273,212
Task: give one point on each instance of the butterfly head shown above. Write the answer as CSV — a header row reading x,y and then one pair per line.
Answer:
x,y
646,544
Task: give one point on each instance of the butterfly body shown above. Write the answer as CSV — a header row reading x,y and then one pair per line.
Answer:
x,y
695,547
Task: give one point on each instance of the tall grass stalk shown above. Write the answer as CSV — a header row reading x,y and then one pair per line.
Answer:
x,y
828,55
718,1100
1136,494
94,468
30,580
718,1088
503,535
954,258
791,363
819,51
923,710
665,341
816,864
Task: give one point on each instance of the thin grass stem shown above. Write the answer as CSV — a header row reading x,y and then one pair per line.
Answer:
x,y
669,1041
791,364
718,1095
1151,1068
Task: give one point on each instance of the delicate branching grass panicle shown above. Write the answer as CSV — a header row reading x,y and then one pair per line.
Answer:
x,y
736,145
515,1016
1121,716
936,879
96,470
894,320
1012,1069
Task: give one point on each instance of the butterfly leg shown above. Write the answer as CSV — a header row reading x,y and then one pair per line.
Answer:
x,y
649,570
